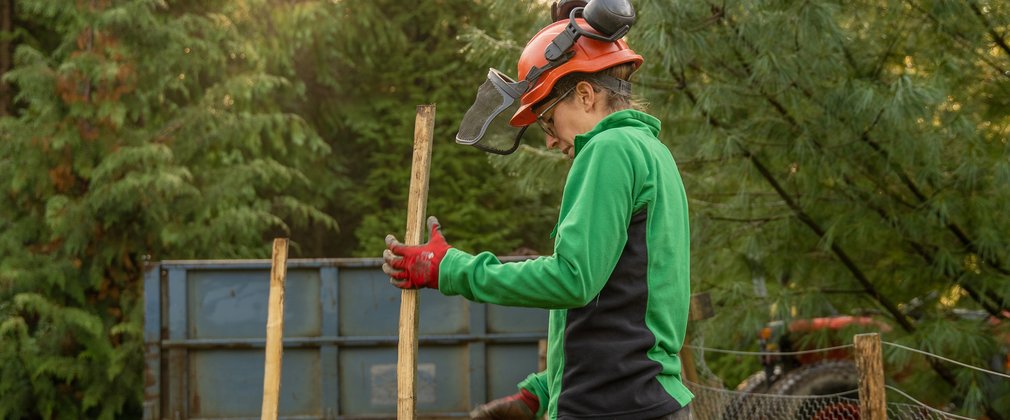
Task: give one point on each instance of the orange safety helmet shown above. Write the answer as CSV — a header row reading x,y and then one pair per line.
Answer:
x,y
588,56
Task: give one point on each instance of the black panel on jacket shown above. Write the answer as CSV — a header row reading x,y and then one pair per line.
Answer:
x,y
607,372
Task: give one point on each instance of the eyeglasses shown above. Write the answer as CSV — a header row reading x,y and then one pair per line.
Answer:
x,y
548,125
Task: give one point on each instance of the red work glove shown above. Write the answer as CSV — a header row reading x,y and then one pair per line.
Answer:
x,y
415,266
522,405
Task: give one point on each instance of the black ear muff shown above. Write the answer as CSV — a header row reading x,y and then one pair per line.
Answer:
x,y
561,9
610,17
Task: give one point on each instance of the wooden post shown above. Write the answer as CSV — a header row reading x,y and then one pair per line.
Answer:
x,y
700,309
275,331
870,363
541,355
687,363
406,362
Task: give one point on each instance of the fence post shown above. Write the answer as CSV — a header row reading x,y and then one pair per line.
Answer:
x,y
700,309
870,363
541,355
417,202
275,331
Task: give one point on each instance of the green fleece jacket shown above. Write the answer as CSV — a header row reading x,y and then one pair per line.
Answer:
x,y
617,283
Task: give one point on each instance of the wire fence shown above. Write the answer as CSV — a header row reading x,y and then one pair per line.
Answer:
x,y
722,404
719,404
825,390
928,354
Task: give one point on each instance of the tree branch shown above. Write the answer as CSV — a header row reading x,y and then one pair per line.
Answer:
x,y
926,256
840,253
996,37
965,46
757,220
916,191
843,257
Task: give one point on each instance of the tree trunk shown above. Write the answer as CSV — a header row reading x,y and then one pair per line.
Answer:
x,y
6,52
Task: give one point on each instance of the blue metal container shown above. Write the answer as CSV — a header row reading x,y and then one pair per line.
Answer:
x,y
205,330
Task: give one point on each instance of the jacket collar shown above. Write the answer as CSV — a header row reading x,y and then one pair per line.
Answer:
x,y
625,118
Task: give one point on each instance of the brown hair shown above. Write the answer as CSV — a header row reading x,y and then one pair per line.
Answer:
x,y
615,100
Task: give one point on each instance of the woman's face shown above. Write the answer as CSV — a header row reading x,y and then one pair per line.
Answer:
x,y
576,111
547,118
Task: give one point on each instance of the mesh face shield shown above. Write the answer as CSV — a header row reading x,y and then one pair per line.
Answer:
x,y
486,124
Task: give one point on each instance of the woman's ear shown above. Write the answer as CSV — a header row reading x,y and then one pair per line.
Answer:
x,y
585,95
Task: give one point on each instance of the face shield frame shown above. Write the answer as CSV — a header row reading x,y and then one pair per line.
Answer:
x,y
499,88
500,92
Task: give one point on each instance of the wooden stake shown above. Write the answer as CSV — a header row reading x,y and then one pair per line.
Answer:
x,y
541,355
700,309
275,331
687,363
869,362
417,201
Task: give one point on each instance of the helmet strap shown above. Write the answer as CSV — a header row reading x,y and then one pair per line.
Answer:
x,y
620,86
536,72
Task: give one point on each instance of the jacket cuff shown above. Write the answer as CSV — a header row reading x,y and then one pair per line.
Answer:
x,y
446,278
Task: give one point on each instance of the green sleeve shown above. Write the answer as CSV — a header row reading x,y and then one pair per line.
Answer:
x,y
536,384
598,200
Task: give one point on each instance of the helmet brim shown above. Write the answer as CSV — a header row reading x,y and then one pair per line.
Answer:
x,y
524,115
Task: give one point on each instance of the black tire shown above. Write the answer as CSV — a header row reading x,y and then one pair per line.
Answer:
x,y
757,383
823,378
743,405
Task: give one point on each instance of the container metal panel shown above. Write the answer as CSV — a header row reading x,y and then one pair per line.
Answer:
x,y
508,364
369,306
206,326
368,380
229,383
503,319
233,303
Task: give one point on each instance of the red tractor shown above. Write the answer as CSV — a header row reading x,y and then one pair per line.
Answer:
x,y
817,373
790,370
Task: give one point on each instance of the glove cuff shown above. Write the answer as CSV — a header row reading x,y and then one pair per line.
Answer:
x,y
530,400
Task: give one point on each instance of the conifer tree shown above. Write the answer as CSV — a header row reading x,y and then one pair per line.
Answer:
x,y
369,65
6,51
148,131
840,158
849,159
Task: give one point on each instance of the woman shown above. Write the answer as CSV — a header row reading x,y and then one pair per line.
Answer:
x,y
617,282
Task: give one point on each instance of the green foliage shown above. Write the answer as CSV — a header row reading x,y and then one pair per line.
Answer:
x,y
847,158
840,158
370,64
148,131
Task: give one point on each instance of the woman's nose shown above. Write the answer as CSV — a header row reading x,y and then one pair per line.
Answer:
x,y
552,142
